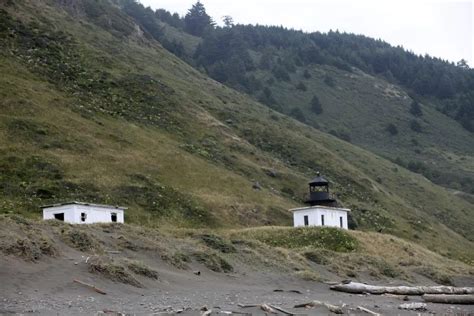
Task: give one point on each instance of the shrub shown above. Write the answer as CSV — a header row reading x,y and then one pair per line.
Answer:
x,y
111,270
329,81
298,114
281,73
178,259
415,109
140,268
341,135
316,106
301,86
30,248
415,126
308,275
319,256
392,129
217,243
80,240
213,261
306,74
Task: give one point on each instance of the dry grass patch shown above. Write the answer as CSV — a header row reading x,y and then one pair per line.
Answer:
x,y
81,240
142,269
112,270
213,261
178,259
21,238
308,275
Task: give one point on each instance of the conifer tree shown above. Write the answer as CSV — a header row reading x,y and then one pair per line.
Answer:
x,y
197,22
316,105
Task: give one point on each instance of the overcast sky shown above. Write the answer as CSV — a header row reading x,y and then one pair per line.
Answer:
x,y
440,28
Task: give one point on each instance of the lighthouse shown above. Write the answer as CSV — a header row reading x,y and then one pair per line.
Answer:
x,y
322,209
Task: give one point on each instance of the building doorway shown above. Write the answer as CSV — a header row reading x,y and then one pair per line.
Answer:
x,y
59,216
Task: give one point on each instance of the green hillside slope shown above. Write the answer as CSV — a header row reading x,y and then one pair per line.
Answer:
x,y
93,109
413,110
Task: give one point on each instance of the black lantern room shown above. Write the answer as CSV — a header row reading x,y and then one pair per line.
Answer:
x,y
319,192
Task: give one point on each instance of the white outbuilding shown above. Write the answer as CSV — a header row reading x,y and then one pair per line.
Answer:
x,y
84,213
323,209
320,216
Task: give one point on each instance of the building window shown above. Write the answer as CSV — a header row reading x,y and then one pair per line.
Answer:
x,y
113,217
83,217
59,216
341,221
306,220
322,220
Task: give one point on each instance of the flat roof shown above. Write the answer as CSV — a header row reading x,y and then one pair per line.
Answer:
x,y
320,206
85,204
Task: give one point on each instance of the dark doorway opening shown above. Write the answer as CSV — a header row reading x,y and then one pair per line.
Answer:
x,y
306,220
340,221
322,220
59,216
83,217
113,216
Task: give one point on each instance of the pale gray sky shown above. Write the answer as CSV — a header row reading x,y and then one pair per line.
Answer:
x,y
441,28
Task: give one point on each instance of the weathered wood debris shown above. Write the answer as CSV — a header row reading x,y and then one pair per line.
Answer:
x,y
92,287
421,307
332,308
360,288
449,299
368,311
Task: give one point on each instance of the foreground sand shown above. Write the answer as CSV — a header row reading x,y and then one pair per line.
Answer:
x,y
47,288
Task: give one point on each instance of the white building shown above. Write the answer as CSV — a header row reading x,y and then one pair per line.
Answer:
x,y
320,216
323,209
84,213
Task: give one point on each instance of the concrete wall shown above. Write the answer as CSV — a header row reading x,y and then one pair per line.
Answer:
x,y
68,210
97,214
332,217
94,214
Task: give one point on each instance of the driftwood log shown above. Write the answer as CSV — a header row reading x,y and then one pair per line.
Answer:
x,y
360,288
92,287
448,299
368,311
332,308
421,307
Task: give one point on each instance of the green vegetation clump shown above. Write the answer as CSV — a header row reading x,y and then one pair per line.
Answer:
x,y
178,259
80,240
316,106
319,256
384,268
142,269
29,248
112,270
217,243
213,261
305,237
19,237
308,275
392,129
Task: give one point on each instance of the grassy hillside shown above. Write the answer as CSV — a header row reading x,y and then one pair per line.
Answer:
x,y
384,111
92,109
359,108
